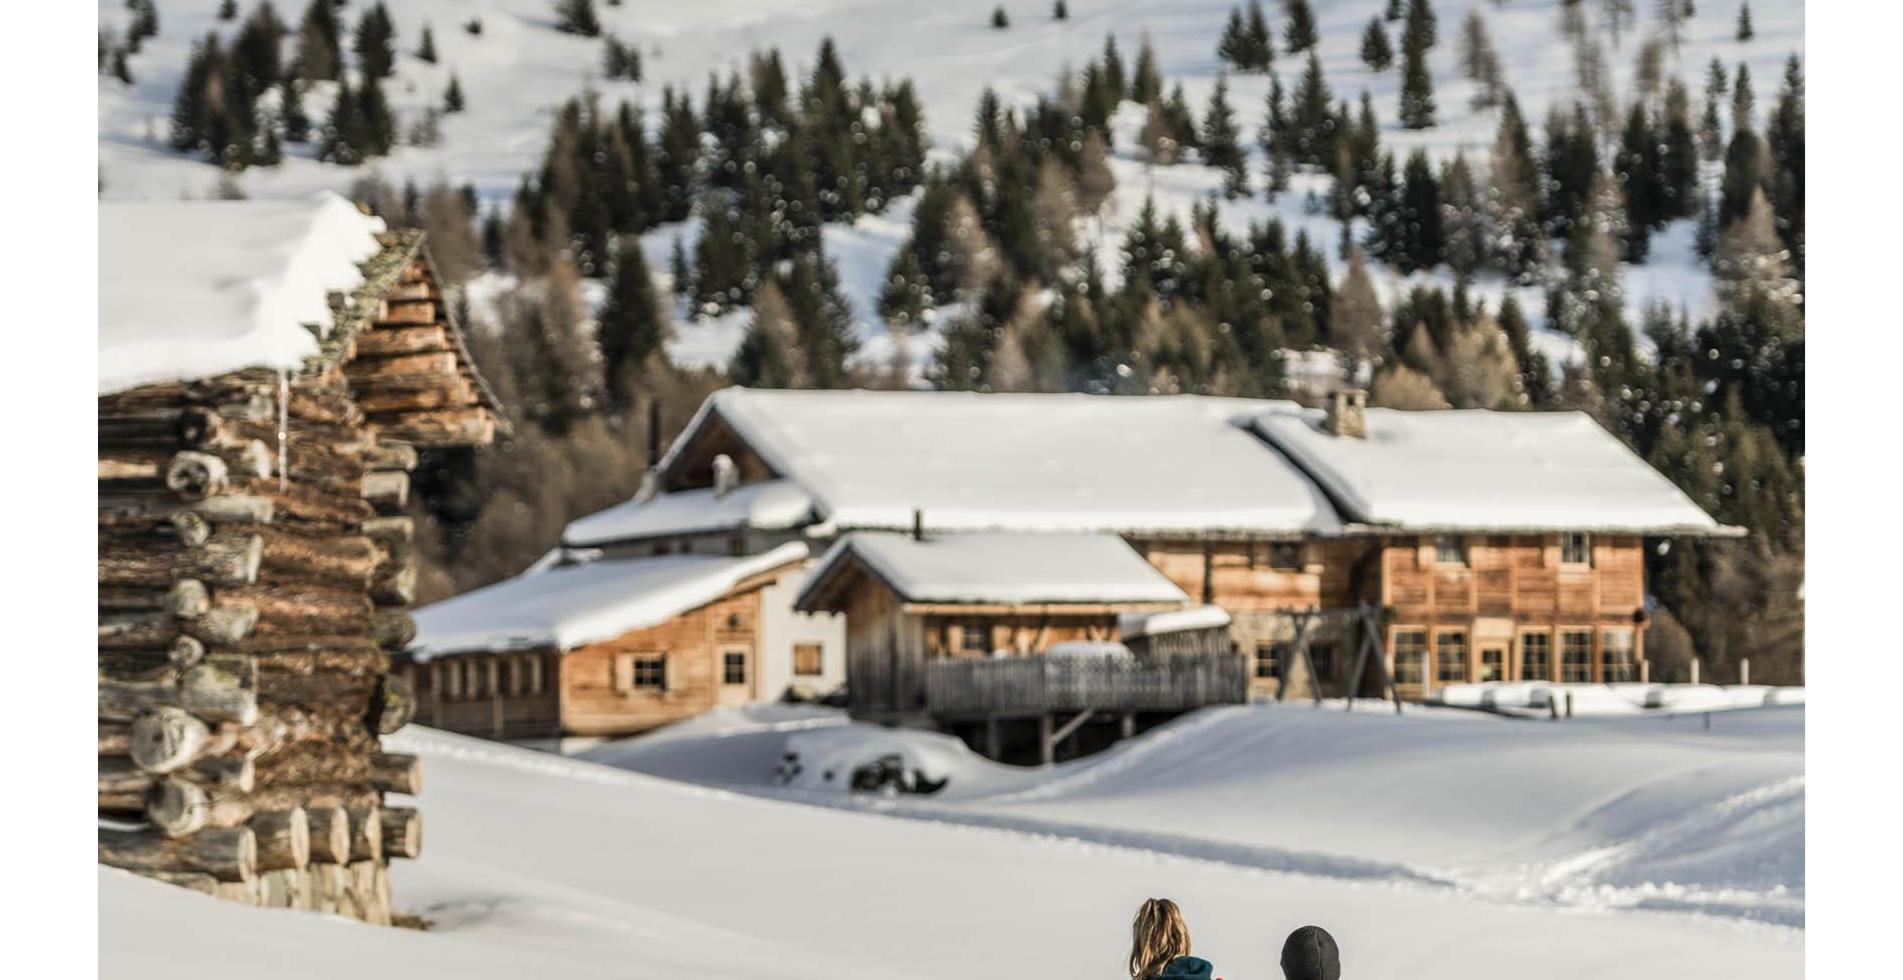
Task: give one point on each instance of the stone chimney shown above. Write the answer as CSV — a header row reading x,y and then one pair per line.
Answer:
x,y
1347,414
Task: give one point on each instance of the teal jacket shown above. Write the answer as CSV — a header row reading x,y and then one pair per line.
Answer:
x,y
1187,968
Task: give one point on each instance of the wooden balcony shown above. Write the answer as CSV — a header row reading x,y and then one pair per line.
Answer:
x,y
1039,685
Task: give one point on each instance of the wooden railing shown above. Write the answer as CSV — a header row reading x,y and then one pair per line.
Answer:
x,y
1038,684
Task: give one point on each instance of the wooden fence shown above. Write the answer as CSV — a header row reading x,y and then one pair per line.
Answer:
x,y
1039,684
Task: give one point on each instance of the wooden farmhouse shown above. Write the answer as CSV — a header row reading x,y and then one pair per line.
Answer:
x,y
1345,550
268,372
610,646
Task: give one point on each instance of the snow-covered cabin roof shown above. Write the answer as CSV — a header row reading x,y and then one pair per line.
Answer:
x,y
1483,470
192,289
767,505
574,605
1022,462
987,568
1132,625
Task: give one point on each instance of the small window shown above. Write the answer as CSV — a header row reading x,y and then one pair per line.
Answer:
x,y
1285,556
975,637
1450,549
733,667
1616,662
640,671
1268,659
1410,655
807,659
1450,656
1575,549
1575,656
1536,656
1493,664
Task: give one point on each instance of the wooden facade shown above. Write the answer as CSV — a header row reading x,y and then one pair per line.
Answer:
x,y
255,571
703,658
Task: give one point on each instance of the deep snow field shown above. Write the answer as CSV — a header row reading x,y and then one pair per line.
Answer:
x,y
520,69
1436,844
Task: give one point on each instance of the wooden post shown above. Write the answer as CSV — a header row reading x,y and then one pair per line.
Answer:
x,y
994,739
1744,671
1046,748
1694,670
1127,725
1569,704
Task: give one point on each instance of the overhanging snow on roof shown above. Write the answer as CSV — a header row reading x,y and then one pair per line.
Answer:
x,y
1023,462
980,568
767,505
574,605
1486,471
193,289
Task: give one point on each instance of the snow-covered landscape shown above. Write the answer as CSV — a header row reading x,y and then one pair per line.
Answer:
x,y
519,69
1434,844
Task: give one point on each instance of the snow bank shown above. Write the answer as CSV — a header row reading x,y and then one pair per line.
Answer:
x,y
1540,698
1481,470
768,505
1032,462
571,605
1001,568
191,289
824,758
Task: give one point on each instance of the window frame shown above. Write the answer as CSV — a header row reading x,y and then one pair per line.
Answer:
x,y
1456,544
645,671
1419,655
968,628
1629,646
1278,556
1567,540
1546,657
818,662
1565,665
1465,659
728,660
1272,652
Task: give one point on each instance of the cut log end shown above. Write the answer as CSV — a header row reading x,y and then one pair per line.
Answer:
x,y
402,832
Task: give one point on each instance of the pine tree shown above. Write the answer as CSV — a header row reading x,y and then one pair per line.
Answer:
x,y
1357,317
768,355
1233,47
1678,155
1422,30
375,43
1060,11
121,66
908,291
319,44
228,10
1113,66
577,17
344,128
1146,84
379,122
1417,89
296,125
1394,10
722,272
1745,33
426,46
999,19
1221,143
453,96
1300,32
1311,118
633,323
1261,43
1421,230
1744,102
1376,53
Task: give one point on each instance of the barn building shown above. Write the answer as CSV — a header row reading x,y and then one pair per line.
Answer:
x,y
268,372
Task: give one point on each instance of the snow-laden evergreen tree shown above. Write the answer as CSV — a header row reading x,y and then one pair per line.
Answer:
x,y
1146,82
1299,34
296,125
426,46
228,10
375,43
1311,118
1422,29
1222,143
577,17
319,43
1261,39
1376,52
1417,88
453,95
1060,10
999,19
1113,66
633,323
1745,31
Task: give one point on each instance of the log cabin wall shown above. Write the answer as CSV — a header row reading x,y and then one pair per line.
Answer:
x,y
1560,607
501,696
885,653
254,573
650,677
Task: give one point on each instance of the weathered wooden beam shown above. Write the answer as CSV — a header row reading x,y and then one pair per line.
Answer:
x,y
394,772
217,689
395,581
386,341
329,834
392,629
366,834
226,559
402,832
165,738
223,625
283,837
459,427
391,532
407,312
368,368
186,599
226,854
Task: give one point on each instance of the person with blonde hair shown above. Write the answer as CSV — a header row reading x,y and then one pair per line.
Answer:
x,y
1159,945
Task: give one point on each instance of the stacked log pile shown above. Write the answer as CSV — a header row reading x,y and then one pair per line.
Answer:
x,y
255,570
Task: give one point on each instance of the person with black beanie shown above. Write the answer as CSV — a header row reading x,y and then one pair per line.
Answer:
x,y
1310,953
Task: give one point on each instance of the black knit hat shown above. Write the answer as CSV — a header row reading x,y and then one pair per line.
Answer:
x,y
1310,953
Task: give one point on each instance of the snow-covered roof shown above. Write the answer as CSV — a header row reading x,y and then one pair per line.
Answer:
x,y
1003,569
192,289
767,505
574,605
1024,462
1135,624
1482,470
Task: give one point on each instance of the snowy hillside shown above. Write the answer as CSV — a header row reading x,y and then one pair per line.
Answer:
x,y
553,867
519,68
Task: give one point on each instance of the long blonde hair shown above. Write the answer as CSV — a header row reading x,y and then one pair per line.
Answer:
x,y
1158,936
